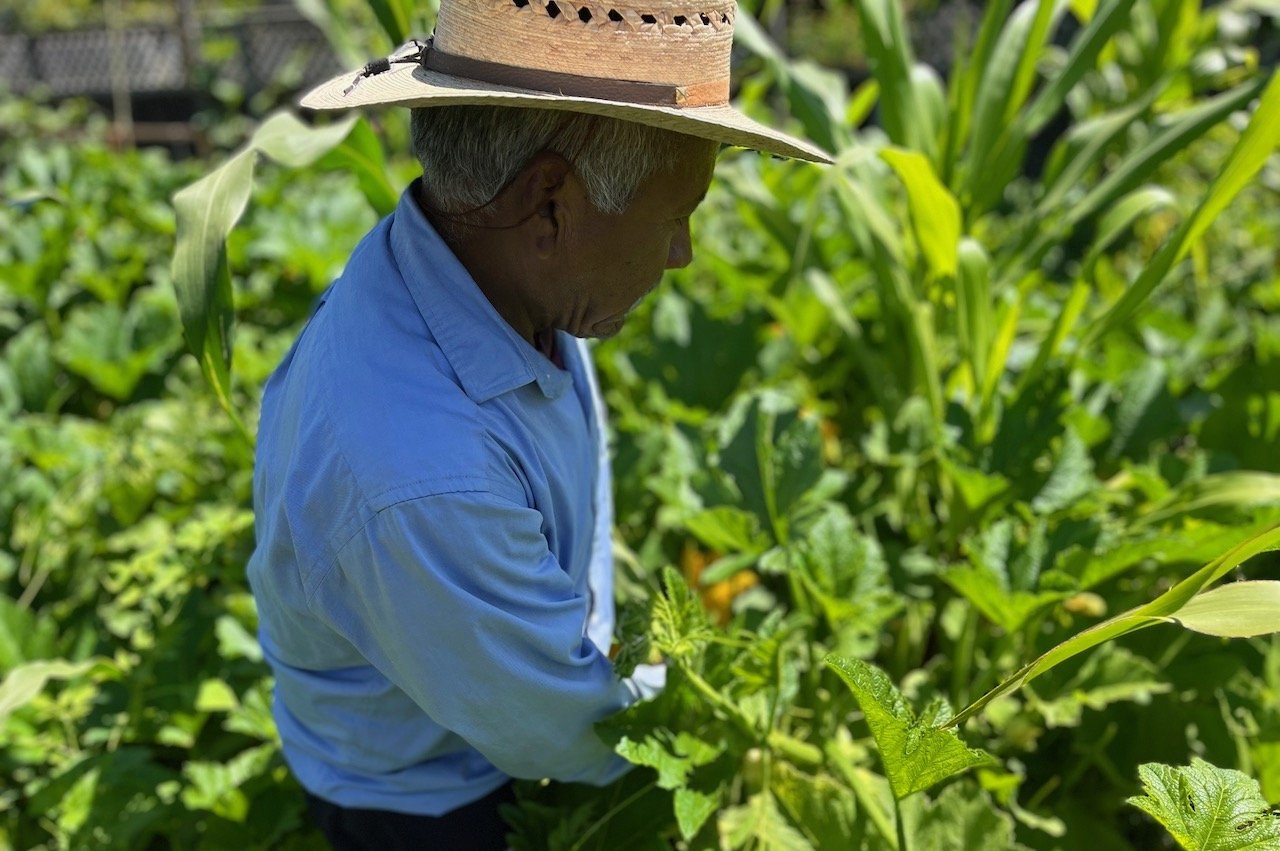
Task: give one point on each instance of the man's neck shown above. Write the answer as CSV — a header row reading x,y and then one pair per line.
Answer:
x,y
478,263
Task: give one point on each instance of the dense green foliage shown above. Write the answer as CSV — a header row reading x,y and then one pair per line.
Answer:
x,y
905,425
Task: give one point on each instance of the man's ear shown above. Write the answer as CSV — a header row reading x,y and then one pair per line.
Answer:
x,y
543,188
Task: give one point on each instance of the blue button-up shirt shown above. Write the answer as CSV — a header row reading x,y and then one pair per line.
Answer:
x,y
433,568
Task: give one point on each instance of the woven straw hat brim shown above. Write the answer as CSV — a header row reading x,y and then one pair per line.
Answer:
x,y
412,85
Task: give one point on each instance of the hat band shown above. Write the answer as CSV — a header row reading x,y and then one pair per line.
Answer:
x,y
710,93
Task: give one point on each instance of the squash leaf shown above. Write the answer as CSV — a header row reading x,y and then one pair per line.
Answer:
x,y
916,753
1207,808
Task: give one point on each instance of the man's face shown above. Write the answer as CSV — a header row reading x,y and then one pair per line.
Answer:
x,y
613,260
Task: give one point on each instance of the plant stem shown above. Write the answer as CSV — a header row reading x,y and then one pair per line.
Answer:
x,y
902,830
801,753
720,701
798,752
964,658
867,798
581,843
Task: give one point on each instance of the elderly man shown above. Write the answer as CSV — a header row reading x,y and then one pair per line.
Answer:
x,y
433,561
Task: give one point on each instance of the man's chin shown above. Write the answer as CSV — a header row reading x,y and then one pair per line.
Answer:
x,y
605,328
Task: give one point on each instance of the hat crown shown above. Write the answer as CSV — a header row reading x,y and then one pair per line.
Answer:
x,y
671,42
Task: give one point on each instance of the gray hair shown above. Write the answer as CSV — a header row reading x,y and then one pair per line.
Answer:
x,y
469,153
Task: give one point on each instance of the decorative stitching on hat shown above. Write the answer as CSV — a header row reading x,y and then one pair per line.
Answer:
x,y
629,20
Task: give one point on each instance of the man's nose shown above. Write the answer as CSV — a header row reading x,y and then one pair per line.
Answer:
x,y
681,251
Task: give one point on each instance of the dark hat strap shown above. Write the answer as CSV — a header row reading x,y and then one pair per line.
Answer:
x,y
711,93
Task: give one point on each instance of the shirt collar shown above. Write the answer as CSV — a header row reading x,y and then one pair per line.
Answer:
x,y
488,355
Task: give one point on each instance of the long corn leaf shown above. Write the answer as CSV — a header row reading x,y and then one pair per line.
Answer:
x,y
1260,138
1109,18
889,53
1159,610
973,307
1138,166
208,209
935,215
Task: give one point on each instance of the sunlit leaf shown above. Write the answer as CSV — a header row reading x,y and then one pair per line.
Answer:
x,y
760,819
935,215
1157,611
26,681
1207,808
1234,610
915,751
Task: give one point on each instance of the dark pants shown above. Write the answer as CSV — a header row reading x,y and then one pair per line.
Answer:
x,y
471,827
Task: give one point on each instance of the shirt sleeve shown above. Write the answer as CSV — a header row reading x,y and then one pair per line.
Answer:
x,y
457,599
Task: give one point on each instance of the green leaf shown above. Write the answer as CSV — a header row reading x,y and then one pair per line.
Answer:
x,y
962,818
215,696
1138,395
29,354
1006,79
362,154
846,573
1114,676
998,164
114,349
395,17
289,141
916,752
679,625
822,808
760,819
344,42
236,642
728,530
816,96
1234,610
672,755
1009,609
975,322
1082,147
1071,478
1246,425
974,488
1142,201
772,455
1002,584
24,682
692,808
215,786
1182,129
24,637
1158,610
208,210
1207,808
903,114
1236,489
1109,18
935,214
1259,140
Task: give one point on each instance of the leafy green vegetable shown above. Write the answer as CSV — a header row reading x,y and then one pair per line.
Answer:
x,y
759,819
915,751
680,626
1207,808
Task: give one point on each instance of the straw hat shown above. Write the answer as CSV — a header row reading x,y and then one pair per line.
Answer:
x,y
658,62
